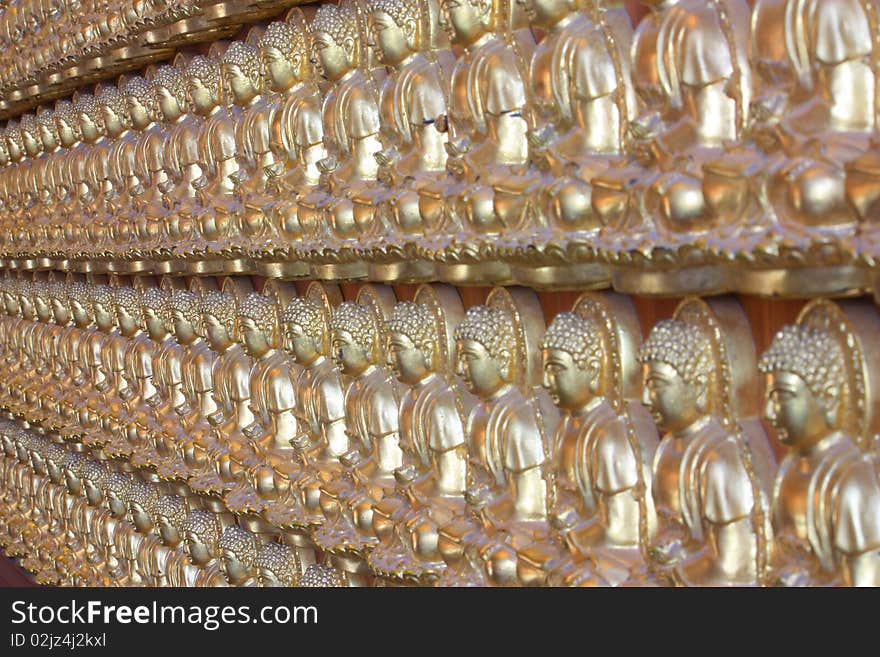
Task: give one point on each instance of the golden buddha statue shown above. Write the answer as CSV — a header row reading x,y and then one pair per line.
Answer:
x,y
238,550
509,432
697,96
219,162
351,137
487,137
433,409
55,182
143,498
95,214
277,565
202,533
827,488
372,400
713,467
296,140
172,556
602,517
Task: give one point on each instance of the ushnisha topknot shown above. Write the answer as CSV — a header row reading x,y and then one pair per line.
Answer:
x,y
578,336
812,354
242,543
247,57
415,321
206,69
306,314
221,305
285,38
339,21
203,524
137,86
355,319
260,309
172,78
684,347
172,507
491,327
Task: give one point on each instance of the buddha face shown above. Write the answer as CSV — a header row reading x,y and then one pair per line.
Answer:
x,y
215,332
394,45
480,372
115,504
104,318
255,341
406,360
94,494
546,13
48,138
38,463
59,311
66,133
73,483
155,325
350,356
184,331
128,325
674,404
167,531
465,21
80,314
11,303
168,104
301,345
140,116
241,86
142,520
236,570
280,72
55,472
334,59
90,130
199,552
571,387
42,309
112,121
797,415
200,97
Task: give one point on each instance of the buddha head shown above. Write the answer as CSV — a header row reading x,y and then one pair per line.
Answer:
x,y
169,87
257,324
114,111
30,134
485,347
80,305
678,374
94,478
127,304
276,565
14,145
143,500
117,488
203,84
303,322
140,101
238,549
574,361
171,515
395,25
412,342
242,71
66,123
103,309
465,21
218,319
59,302
41,300
285,52
185,315
156,313
91,118
334,39
806,385
352,338
547,13
202,531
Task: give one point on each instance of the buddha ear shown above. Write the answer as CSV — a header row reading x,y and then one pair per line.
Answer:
x,y
409,28
830,404
504,363
348,45
701,385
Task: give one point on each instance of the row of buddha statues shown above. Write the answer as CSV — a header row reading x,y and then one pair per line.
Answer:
x,y
160,432
715,146
39,37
